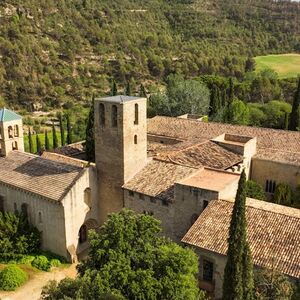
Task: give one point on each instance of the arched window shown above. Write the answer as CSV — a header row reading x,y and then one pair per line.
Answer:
x,y
82,234
15,146
16,130
15,208
10,132
114,116
136,114
267,186
1,204
40,218
88,197
135,139
24,209
102,114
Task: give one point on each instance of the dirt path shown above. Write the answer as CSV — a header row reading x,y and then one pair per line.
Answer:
x,y
32,289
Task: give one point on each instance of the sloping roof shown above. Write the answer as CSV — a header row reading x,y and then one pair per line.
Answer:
x,y
118,98
279,156
65,159
273,233
208,154
157,179
7,115
44,177
192,129
76,150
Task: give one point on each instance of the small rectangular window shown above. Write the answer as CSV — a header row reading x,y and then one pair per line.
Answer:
x,y
152,199
165,202
142,197
208,270
131,193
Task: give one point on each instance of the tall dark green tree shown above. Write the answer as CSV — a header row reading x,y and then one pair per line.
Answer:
x,y
231,90
114,88
294,118
90,134
62,130
30,141
239,266
128,89
142,92
38,144
47,144
69,130
54,137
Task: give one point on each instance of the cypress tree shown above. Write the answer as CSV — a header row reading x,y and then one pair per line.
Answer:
x,y
128,89
62,131
286,121
54,137
114,89
47,144
213,101
69,130
142,92
239,263
231,90
90,135
30,141
294,118
38,144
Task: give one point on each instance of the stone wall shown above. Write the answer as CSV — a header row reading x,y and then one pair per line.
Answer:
x,y
46,215
14,142
263,170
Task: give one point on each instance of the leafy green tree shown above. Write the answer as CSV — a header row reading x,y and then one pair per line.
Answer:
x,y
62,130
128,255
249,65
69,130
38,144
90,134
255,190
47,144
114,88
54,137
294,118
239,266
271,284
17,235
237,113
283,194
30,141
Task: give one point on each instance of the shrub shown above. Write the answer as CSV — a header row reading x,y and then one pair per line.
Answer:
x,y
254,190
17,236
55,263
283,194
12,277
41,262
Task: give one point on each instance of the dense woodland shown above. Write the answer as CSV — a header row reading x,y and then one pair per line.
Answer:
x,y
56,52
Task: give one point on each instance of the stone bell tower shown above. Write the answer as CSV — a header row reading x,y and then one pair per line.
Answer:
x,y
120,147
11,132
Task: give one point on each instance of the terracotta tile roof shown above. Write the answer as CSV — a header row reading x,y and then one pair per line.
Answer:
x,y
157,179
65,159
273,233
210,179
191,129
76,150
47,178
279,156
208,154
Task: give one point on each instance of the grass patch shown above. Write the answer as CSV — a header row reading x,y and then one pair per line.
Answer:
x,y
285,65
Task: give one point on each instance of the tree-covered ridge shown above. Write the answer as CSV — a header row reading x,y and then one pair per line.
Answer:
x,y
55,51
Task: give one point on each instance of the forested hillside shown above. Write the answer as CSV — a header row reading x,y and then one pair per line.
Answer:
x,y
52,52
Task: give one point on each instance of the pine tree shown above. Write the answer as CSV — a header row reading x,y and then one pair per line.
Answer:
x,y
142,92
69,130
47,144
30,141
90,135
128,89
38,144
294,118
54,137
239,263
62,131
114,89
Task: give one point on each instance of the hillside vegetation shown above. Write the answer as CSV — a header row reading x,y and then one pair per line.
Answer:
x,y
52,52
